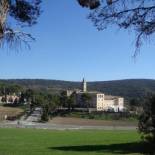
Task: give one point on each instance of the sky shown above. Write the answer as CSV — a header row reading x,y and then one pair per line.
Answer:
x,y
68,47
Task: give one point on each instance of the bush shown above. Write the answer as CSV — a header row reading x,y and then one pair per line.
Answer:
x,y
44,117
147,120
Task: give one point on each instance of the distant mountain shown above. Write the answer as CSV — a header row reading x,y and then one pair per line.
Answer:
x,y
131,88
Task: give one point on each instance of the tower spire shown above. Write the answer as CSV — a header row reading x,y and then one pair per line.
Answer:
x,y
84,85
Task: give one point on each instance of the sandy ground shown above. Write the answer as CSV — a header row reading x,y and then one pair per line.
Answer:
x,y
9,112
89,122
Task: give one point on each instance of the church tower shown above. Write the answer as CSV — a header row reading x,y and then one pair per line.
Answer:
x,y
84,85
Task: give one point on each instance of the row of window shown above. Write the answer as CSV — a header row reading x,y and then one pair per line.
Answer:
x,y
99,107
100,96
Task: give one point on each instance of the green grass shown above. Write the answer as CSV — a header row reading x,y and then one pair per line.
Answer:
x,y
79,142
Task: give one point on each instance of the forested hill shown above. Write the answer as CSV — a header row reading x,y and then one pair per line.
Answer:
x,y
131,88
127,88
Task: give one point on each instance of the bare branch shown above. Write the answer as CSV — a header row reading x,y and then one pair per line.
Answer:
x,y
137,15
15,39
22,11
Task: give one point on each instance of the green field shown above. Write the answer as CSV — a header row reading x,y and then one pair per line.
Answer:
x,y
77,142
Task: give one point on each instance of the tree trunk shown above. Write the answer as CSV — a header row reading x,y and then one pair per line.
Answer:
x,y
4,8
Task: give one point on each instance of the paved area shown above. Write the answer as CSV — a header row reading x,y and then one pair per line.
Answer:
x,y
61,127
35,125
60,123
34,117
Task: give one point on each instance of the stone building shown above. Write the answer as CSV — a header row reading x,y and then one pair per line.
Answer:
x,y
9,99
99,101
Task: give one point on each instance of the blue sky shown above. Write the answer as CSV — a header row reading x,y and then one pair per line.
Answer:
x,y
68,47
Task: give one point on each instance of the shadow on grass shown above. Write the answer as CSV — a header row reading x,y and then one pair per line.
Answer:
x,y
123,148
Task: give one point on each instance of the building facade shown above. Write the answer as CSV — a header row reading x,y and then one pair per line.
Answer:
x,y
99,101
9,99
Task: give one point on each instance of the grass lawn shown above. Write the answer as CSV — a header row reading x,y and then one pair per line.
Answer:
x,y
79,142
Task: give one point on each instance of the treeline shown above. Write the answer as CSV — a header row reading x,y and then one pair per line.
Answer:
x,y
49,103
10,89
129,89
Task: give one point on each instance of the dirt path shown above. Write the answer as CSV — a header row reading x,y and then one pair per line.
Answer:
x,y
64,123
90,122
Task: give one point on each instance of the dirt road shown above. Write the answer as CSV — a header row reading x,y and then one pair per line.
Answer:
x,y
90,122
60,123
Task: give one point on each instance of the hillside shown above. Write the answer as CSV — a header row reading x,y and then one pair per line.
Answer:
x,y
127,88
131,88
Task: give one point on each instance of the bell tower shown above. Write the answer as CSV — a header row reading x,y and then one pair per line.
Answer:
x,y
84,85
